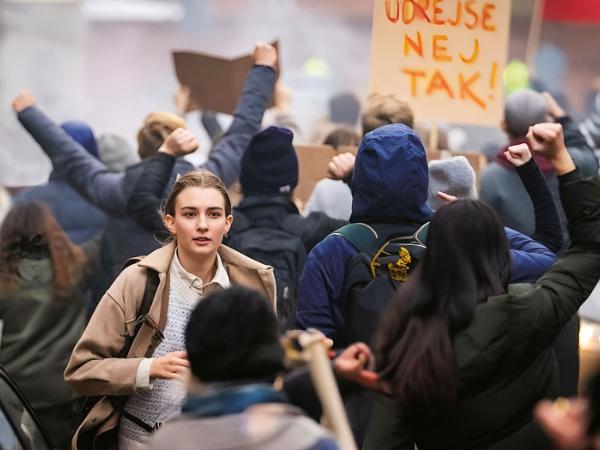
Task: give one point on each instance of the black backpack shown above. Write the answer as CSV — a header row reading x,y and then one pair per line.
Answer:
x,y
282,249
373,275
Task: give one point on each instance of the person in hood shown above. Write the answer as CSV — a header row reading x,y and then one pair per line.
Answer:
x,y
390,182
80,219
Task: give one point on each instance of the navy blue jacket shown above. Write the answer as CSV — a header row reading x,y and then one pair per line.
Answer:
x,y
80,219
110,191
398,198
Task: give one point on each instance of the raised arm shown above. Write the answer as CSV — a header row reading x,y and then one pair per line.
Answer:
x,y
575,142
85,173
147,195
226,155
547,223
565,287
320,302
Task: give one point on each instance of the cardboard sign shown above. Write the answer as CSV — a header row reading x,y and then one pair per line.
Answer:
x,y
215,83
445,57
312,166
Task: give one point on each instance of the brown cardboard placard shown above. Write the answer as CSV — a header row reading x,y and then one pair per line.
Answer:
x,y
215,83
313,161
444,58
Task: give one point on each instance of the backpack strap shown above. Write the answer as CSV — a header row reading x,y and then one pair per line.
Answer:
x,y
152,281
361,235
421,234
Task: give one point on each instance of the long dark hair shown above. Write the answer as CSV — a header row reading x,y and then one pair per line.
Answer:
x,y
30,228
467,261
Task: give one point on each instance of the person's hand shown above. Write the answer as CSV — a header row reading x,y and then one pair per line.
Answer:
x,y
554,109
518,155
265,55
565,422
180,142
170,366
182,100
341,166
23,101
355,364
547,139
446,198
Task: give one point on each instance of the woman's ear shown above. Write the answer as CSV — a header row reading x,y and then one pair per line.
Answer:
x,y
169,222
228,222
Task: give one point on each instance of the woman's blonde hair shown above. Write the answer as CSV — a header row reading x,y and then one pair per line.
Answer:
x,y
200,179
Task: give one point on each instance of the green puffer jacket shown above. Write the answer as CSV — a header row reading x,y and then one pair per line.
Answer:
x,y
504,357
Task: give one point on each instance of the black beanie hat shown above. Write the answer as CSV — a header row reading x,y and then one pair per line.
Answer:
x,y
270,164
233,334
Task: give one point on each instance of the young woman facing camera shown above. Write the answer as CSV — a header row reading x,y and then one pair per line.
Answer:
x,y
194,263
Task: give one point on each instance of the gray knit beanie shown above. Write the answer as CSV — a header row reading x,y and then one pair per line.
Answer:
x,y
524,108
452,176
116,153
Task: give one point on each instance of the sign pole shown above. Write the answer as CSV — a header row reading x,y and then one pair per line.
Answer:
x,y
535,32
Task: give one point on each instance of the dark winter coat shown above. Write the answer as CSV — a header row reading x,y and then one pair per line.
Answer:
x,y
504,357
110,191
396,201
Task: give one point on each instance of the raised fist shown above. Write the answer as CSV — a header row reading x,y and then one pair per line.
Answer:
x,y
180,142
518,155
23,101
265,55
546,139
341,166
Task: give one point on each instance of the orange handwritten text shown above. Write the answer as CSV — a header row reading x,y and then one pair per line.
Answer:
x,y
468,13
464,87
439,48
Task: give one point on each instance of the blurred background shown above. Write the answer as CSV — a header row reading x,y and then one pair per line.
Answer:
x,y
108,62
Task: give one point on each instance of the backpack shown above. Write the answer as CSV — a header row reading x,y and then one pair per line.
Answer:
x,y
373,275
86,439
282,249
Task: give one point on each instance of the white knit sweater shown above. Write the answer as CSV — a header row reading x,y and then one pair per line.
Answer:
x,y
164,398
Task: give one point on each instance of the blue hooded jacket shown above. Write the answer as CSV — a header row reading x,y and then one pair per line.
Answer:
x,y
391,178
389,188
79,219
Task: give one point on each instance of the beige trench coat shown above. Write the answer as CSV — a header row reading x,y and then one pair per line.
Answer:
x,y
94,371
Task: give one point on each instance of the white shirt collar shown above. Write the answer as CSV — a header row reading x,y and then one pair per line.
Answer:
x,y
221,277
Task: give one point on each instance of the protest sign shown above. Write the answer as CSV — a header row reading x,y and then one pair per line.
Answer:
x,y
215,83
445,57
312,166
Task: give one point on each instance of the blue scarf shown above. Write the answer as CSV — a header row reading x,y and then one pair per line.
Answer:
x,y
230,400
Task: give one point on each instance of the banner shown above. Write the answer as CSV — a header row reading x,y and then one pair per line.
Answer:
x,y
584,11
444,57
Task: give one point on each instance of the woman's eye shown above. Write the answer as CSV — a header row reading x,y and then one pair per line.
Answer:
x,y
215,214
189,214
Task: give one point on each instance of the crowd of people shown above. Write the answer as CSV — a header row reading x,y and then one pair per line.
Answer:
x,y
142,308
